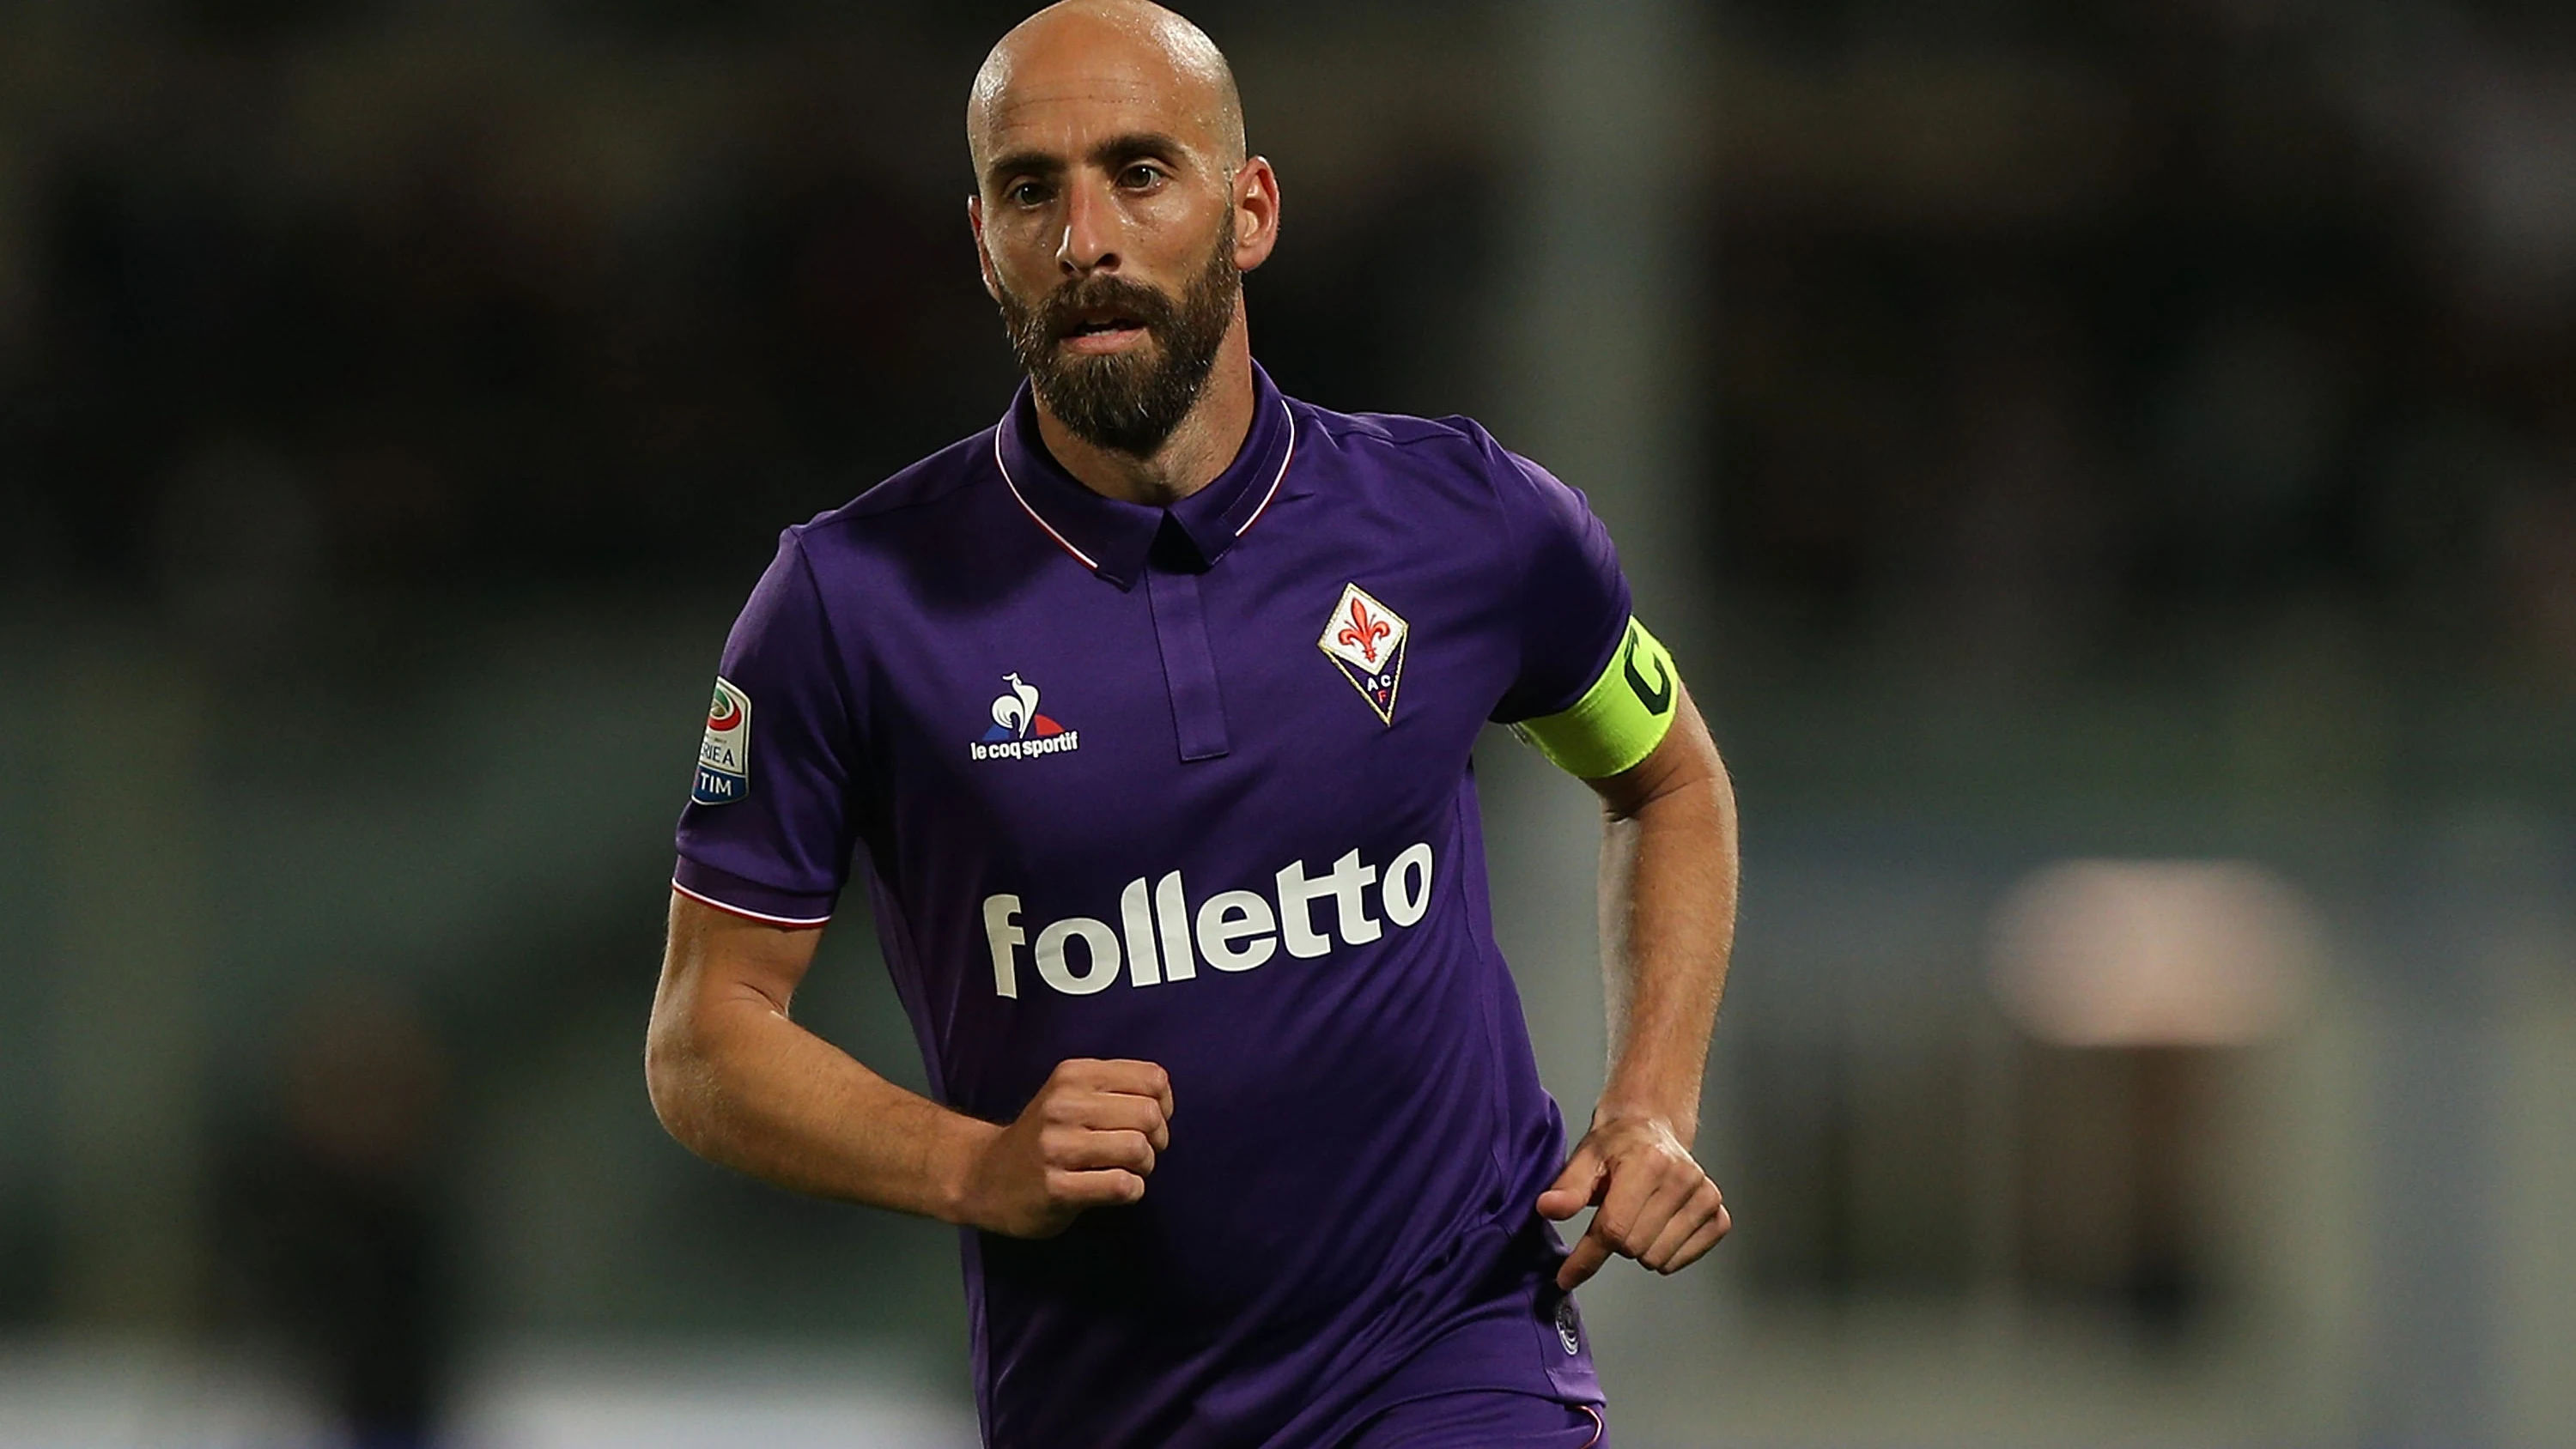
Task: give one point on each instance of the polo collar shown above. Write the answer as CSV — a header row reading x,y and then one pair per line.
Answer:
x,y
1111,537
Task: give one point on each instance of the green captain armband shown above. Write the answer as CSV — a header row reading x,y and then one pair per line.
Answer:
x,y
1620,719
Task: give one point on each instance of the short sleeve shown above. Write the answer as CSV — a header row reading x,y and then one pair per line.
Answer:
x,y
770,825
1570,597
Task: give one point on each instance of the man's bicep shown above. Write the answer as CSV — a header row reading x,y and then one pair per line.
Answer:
x,y
726,981
1683,757
714,954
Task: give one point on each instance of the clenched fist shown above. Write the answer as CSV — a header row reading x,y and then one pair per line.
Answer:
x,y
1088,1139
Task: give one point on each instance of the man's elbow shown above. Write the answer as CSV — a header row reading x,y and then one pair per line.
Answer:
x,y
679,1075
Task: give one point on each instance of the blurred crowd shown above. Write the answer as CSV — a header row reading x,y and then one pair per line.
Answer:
x,y
2038,335
2178,322
428,379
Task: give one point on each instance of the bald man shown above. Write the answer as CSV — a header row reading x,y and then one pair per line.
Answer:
x,y
1145,715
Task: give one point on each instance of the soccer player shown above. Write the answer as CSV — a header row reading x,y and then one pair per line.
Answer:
x,y
1145,715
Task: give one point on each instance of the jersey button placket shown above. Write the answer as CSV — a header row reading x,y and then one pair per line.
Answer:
x,y
1172,572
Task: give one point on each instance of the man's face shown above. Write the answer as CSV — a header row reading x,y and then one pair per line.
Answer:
x,y
1105,214
1121,362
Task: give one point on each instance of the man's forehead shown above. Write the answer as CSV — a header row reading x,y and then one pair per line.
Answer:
x,y
1074,74
1067,105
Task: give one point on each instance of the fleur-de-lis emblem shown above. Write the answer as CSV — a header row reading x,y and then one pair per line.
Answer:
x,y
1363,631
1367,642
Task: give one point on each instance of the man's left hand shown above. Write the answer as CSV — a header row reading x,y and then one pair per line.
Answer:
x,y
1657,1206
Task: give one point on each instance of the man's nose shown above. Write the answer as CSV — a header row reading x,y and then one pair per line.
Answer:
x,y
1091,232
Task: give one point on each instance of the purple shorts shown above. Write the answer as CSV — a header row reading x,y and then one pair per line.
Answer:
x,y
1483,1419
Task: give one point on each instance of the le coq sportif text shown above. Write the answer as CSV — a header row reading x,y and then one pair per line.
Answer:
x,y
1162,936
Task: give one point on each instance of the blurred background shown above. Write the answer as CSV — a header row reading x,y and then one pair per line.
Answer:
x,y
2108,468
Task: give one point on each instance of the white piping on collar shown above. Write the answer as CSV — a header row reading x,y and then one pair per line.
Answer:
x,y
1087,560
1284,461
1092,564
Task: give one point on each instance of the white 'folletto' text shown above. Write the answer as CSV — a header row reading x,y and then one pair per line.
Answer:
x,y
1160,936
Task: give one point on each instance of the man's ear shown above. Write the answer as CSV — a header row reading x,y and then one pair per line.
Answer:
x,y
1256,213
983,258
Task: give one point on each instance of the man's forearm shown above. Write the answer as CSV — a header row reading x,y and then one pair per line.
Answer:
x,y
1668,887
1667,922
741,1084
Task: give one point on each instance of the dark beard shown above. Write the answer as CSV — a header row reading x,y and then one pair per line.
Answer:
x,y
1128,403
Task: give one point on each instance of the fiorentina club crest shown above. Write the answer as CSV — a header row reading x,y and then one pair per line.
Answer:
x,y
1365,640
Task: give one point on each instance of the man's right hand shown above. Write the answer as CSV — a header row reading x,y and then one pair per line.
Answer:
x,y
1088,1139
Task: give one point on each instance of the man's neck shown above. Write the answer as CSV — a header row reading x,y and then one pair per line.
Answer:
x,y
1202,447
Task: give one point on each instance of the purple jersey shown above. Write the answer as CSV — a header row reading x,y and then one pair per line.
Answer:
x,y
1192,786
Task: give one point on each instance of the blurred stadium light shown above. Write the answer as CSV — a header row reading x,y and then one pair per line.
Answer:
x,y
736,1396
2154,953
105,1394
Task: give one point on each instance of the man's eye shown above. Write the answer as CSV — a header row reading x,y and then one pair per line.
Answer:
x,y
1140,175
1028,193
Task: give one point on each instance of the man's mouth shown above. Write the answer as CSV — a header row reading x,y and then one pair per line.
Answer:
x,y
1098,333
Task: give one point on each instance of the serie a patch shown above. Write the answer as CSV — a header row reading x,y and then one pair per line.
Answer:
x,y
724,756
1365,640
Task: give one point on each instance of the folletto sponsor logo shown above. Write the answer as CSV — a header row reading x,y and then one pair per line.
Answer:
x,y
1162,935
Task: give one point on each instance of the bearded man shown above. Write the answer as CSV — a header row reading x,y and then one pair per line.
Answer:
x,y
1145,716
